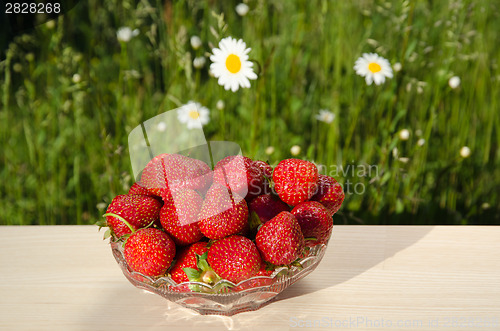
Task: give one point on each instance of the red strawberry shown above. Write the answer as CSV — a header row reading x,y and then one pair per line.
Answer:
x,y
168,172
222,213
295,180
186,258
266,207
315,221
136,210
137,189
264,272
240,175
280,241
234,258
329,193
179,217
265,269
149,251
267,171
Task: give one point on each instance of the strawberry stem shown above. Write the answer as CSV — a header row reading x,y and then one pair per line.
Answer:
x,y
210,154
121,219
311,238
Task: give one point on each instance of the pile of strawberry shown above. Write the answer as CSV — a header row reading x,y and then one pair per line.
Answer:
x,y
239,220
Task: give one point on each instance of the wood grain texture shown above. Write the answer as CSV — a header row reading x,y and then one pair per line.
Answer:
x,y
372,277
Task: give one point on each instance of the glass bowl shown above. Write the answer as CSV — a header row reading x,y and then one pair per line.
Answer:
x,y
224,297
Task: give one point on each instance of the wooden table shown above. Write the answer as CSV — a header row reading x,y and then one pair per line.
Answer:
x,y
372,277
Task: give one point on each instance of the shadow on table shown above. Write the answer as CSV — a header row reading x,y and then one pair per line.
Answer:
x,y
354,254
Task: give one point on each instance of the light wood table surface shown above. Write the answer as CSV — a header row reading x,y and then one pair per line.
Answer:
x,y
372,277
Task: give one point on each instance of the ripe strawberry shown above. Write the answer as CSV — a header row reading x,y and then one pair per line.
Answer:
x,y
329,193
265,269
222,213
266,207
179,217
265,272
168,172
149,251
280,240
234,258
315,221
136,210
267,171
186,258
137,189
240,175
295,180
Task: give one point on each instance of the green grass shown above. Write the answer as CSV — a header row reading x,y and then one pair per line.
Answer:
x,y
64,143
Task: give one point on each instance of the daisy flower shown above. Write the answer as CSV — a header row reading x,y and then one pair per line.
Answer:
x,y
269,150
220,105
373,67
325,116
199,62
454,82
242,9
125,33
77,78
195,42
230,64
295,150
404,134
465,152
194,115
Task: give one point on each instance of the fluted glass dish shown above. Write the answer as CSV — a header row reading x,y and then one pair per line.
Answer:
x,y
224,297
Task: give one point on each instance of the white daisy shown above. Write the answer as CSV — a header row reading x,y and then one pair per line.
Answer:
x,y
199,62
220,105
454,82
195,42
373,67
269,150
242,9
397,67
465,152
325,116
77,78
404,134
162,126
295,150
193,114
230,64
125,33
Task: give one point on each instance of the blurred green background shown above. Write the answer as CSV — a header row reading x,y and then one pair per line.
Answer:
x,y
71,92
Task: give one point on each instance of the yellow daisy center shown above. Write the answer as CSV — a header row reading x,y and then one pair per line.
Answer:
x,y
194,114
233,63
374,67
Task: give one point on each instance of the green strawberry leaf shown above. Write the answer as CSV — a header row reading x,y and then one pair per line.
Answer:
x,y
121,219
101,224
201,261
269,266
149,225
192,274
225,288
107,234
297,264
254,222
203,264
311,238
